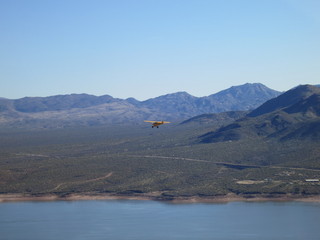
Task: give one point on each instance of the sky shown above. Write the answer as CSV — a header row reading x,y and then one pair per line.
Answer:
x,y
147,48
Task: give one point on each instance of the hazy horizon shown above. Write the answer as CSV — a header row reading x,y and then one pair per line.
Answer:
x,y
139,99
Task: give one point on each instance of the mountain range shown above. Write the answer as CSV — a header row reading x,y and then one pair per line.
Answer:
x,y
84,109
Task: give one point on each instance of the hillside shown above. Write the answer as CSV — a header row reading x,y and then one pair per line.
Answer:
x,y
216,119
294,114
286,99
88,110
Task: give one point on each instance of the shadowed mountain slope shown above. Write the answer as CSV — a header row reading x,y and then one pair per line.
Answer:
x,y
286,99
293,115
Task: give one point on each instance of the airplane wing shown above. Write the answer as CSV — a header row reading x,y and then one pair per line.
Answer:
x,y
156,121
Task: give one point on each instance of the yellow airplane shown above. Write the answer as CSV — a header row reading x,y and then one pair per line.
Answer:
x,y
156,123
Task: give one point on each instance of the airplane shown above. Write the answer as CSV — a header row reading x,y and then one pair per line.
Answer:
x,y
156,123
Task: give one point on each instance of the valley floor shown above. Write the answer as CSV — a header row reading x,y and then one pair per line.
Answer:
x,y
166,164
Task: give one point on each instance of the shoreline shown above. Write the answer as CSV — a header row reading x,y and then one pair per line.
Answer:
x,y
16,197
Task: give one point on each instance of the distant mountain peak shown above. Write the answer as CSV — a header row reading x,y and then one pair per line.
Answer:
x,y
176,94
177,97
247,87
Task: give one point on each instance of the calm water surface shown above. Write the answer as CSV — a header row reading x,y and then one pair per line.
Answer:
x,y
155,220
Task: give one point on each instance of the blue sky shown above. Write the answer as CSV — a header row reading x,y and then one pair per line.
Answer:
x,y
147,48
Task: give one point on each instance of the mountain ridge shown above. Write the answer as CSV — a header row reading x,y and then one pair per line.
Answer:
x,y
293,114
85,109
290,97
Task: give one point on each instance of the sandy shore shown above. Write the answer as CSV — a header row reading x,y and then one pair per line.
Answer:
x,y
152,196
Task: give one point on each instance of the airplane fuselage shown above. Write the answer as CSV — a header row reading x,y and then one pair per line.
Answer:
x,y
157,123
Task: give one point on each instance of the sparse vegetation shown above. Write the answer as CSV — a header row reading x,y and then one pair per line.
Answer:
x,y
270,154
136,160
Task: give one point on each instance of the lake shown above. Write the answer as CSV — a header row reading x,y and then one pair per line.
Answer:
x,y
135,220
